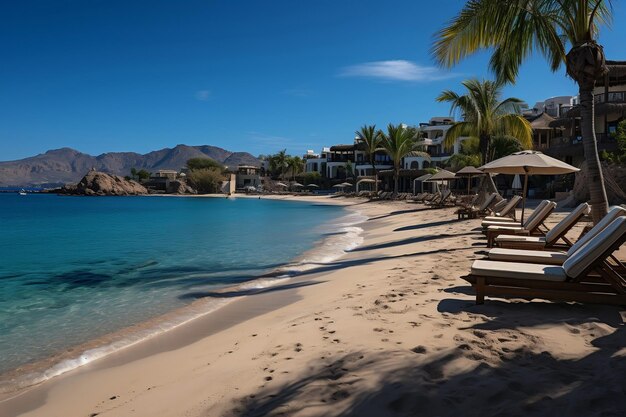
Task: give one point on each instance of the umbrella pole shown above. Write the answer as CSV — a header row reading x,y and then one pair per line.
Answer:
x,y
469,183
524,197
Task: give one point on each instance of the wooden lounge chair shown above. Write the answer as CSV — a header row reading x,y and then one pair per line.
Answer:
x,y
441,201
556,257
510,222
532,225
585,276
551,239
505,213
472,212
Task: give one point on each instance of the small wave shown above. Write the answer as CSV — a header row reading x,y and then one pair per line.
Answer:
x,y
343,236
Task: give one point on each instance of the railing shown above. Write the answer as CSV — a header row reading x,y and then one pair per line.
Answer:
x,y
613,97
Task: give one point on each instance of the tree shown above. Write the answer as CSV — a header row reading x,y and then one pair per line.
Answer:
x,y
468,155
140,175
371,140
486,116
295,164
399,142
204,163
278,163
350,170
206,180
514,28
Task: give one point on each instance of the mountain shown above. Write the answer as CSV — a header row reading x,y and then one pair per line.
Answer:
x,y
62,166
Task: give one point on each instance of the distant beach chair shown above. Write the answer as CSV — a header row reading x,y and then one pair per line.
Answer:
x,y
473,212
505,212
552,238
532,225
585,276
507,221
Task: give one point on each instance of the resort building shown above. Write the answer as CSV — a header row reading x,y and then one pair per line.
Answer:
x,y
316,162
248,176
610,109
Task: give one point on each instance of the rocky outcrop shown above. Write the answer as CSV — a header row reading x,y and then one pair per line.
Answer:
x,y
99,183
179,187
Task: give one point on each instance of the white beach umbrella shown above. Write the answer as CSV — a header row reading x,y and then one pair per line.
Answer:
x,y
296,184
528,163
346,184
281,184
313,186
339,186
517,183
365,181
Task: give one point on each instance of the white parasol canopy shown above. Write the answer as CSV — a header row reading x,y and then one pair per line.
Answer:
x,y
281,184
528,163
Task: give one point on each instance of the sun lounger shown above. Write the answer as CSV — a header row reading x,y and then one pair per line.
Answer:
x,y
585,276
552,238
441,201
510,222
556,257
530,227
472,212
506,213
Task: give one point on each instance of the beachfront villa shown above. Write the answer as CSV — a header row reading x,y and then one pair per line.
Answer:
x,y
248,176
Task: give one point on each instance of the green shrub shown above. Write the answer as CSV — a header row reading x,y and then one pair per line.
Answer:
x,y
206,181
204,163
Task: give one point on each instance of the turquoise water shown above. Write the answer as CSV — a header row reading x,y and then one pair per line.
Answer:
x,y
73,269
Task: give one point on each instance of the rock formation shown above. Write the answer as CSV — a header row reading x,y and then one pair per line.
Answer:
x,y
99,183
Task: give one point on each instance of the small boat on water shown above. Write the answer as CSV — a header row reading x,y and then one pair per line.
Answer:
x,y
22,192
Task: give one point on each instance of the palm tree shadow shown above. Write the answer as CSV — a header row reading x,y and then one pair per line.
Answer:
x,y
479,377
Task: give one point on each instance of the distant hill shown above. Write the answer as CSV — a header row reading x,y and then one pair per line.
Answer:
x,y
65,165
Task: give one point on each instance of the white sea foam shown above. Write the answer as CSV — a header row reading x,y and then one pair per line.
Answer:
x,y
340,237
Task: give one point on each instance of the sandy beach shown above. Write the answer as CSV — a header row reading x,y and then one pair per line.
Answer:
x,y
387,329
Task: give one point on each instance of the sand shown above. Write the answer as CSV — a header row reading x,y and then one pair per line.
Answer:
x,y
388,329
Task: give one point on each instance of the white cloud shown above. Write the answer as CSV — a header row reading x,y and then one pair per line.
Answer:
x,y
395,70
203,95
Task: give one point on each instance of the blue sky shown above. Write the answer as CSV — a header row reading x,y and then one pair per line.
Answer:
x,y
139,75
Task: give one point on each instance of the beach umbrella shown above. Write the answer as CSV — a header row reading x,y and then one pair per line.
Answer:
x,y
281,184
365,181
423,179
442,175
469,172
296,184
339,186
346,184
517,183
528,163
312,186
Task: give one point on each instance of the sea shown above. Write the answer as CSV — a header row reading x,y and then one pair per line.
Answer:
x,y
79,275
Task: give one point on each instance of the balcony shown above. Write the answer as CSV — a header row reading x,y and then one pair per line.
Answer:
x,y
612,97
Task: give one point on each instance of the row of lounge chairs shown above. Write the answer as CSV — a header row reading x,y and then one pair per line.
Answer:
x,y
530,261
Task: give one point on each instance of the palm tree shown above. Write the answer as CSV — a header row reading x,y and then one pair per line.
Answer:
x,y
296,165
514,28
371,139
486,116
399,142
278,163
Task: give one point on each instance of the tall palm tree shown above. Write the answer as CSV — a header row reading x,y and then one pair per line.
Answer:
x,y
486,115
399,142
296,165
371,139
278,163
514,28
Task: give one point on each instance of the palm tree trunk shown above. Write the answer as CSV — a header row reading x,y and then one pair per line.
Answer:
x,y
597,192
396,175
483,142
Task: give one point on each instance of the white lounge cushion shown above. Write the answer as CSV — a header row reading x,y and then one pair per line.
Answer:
x,y
528,256
505,228
613,214
578,263
567,222
499,223
497,219
534,240
534,221
518,270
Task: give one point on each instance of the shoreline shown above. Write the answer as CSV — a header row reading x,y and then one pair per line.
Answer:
x,y
15,382
389,329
